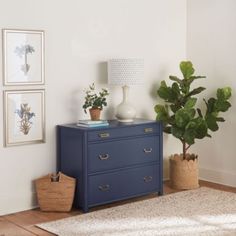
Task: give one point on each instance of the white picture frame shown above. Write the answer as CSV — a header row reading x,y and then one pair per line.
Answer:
x,y
23,57
24,117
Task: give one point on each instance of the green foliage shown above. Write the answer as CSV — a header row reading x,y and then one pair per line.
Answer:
x,y
93,100
180,116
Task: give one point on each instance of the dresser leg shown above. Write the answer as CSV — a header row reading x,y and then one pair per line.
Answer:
x,y
160,193
85,209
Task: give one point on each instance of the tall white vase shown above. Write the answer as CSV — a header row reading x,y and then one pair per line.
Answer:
x,y
125,111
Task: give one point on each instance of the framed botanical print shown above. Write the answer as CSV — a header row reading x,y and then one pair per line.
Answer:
x,y
24,116
23,57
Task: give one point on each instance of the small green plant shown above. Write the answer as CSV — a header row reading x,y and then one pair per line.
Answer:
x,y
94,100
180,116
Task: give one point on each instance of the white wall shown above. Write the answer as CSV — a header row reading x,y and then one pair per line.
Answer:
x,y
211,45
80,37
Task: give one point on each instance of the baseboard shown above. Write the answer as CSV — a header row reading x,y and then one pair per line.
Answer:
x,y
18,203
165,173
220,177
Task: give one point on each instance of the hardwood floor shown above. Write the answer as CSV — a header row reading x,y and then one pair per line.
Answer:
x,y
22,223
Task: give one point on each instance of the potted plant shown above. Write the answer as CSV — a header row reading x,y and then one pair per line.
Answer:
x,y
95,101
186,122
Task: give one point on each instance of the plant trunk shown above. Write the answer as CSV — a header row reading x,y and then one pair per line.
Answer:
x,y
184,150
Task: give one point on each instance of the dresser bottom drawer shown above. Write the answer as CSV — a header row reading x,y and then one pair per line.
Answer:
x,y
118,185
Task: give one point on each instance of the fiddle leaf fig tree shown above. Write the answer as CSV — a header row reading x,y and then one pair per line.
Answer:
x,y
180,116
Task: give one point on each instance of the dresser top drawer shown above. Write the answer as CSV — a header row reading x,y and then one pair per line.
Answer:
x,y
123,131
117,129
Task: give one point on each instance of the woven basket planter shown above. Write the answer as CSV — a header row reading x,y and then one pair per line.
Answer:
x,y
55,192
183,173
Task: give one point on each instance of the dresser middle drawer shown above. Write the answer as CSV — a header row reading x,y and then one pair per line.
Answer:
x,y
121,153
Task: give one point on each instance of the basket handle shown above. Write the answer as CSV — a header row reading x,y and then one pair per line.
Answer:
x,y
59,177
55,177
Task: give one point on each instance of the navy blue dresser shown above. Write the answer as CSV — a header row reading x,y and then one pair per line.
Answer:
x,y
111,163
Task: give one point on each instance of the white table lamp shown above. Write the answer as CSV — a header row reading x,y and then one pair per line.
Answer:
x,y
125,72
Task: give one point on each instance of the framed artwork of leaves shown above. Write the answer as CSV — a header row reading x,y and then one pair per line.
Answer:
x,y
23,57
24,116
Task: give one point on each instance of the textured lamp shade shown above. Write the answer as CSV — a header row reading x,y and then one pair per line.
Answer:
x,y
129,71
125,72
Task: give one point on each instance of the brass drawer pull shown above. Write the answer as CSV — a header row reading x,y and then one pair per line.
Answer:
x,y
147,150
103,156
148,130
104,135
147,179
104,188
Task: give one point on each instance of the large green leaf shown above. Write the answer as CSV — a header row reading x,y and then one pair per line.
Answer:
x,y
171,120
197,77
163,91
196,128
167,93
199,112
190,103
224,93
159,108
184,89
220,119
189,136
176,79
182,117
162,113
187,69
176,90
192,78
163,83
211,122
196,91
174,107
201,128
222,105
210,105
167,129
177,131
191,125
191,112
208,135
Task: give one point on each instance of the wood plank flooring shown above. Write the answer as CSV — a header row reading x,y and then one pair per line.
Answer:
x,y
22,223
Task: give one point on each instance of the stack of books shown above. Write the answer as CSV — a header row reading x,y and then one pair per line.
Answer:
x,y
92,123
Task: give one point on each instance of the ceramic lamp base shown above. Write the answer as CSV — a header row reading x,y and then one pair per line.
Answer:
x,y
125,112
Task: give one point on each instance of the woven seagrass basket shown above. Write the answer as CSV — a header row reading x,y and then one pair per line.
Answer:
x,y
55,192
183,173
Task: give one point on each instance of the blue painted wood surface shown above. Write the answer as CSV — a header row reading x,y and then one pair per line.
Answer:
x,y
111,163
